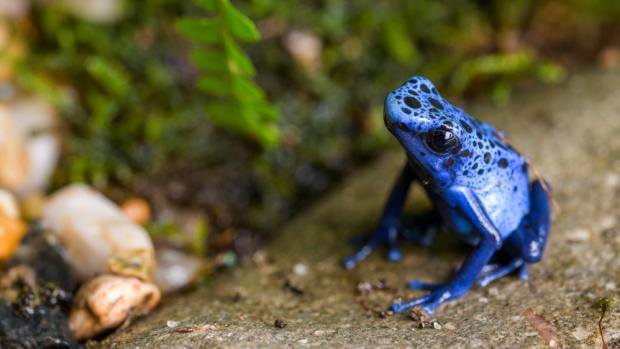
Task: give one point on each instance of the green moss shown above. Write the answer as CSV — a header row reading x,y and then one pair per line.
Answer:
x,y
605,304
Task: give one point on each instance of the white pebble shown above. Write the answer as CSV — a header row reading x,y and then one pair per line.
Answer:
x,y
8,205
106,301
300,269
612,180
578,235
175,270
305,49
607,222
37,120
172,324
13,152
92,229
449,326
97,11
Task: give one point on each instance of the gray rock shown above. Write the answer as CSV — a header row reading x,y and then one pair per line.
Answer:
x,y
36,315
570,132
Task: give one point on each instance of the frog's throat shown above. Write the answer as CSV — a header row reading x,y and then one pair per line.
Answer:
x,y
421,172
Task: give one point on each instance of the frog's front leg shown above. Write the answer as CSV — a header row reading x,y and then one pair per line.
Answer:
x,y
469,205
387,232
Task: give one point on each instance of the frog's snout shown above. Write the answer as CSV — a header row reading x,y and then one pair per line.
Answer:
x,y
390,112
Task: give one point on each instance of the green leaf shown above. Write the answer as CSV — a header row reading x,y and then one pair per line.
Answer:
x,y
399,44
246,90
267,134
202,30
227,115
209,5
243,120
491,65
43,86
112,76
238,61
241,26
104,108
267,110
209,60
214,86
550,72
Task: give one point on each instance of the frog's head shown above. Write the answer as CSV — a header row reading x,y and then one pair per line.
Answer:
x,y
431,130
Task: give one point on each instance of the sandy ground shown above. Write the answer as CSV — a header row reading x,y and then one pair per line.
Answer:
x,y
571,132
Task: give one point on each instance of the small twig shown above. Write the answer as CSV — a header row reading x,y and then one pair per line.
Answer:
x,y
600,329
545,329
604,305
184,330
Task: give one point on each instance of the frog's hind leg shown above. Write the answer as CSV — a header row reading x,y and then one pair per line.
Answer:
x,y
531,237
526,244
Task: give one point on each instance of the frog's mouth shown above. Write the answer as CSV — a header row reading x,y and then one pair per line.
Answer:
x,y
422,173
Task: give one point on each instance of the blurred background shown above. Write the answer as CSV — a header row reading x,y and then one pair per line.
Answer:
x,y
228,118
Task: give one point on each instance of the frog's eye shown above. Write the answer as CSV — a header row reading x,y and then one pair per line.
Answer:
x,y
441,141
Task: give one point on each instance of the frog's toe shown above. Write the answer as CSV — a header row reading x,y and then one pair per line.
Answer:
x,y
427,308
490,268
523,275
496,272
394,255
349,263
417,302
424,286
428,303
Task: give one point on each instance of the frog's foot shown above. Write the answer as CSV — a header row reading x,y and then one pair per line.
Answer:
x,y
424,286
492,272
428,303
387,236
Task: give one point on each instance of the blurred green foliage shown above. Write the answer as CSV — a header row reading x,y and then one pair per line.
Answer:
x,y
124,97
143,102
241,105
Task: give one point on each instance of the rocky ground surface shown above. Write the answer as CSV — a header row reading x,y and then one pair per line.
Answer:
x,y
569,131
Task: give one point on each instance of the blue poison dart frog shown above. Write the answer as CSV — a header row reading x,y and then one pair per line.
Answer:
x,y
479,188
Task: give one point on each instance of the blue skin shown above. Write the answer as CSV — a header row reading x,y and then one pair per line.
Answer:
x,y
476,181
